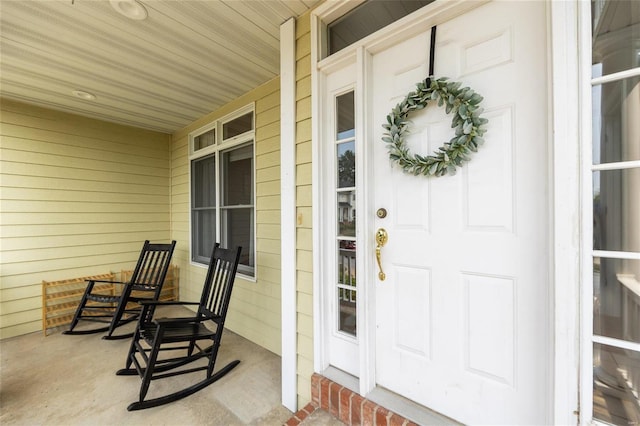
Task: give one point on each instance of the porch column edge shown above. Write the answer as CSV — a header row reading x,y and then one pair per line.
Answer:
x,y
288,213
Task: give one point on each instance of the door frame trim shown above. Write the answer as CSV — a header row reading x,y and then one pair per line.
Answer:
x,y
564,176
567,134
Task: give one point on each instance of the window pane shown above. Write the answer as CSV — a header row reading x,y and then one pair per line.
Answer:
x,y
616,210
616,34
237,126
346,289
203,228
203,182
345,116
237,175
346,213
367,19
237,230
347,263
616,385
616,121
616,295
204,140
347,318
346,164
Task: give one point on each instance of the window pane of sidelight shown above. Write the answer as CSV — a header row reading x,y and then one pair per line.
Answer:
x,y
616,385
616,210
616,298
346,164
616,122
346,201
345,116
347,315
347,263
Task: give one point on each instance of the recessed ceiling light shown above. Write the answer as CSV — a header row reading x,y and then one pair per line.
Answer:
x,y
84,95
132,9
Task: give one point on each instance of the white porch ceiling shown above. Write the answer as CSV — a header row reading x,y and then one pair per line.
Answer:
x,y
185,60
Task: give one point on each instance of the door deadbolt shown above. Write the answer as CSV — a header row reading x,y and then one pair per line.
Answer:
x,y
381,213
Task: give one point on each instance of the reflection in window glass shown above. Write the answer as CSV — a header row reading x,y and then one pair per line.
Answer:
x,y
237,206
616,298
366,19
616,122
345,110
347,303
616,34
237,126
616,210
345,169
237,230
237,172
346,201
347,286
346,164
203,209
204,140
616,385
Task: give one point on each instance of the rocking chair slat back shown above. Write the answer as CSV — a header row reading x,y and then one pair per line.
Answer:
x,y
217,291
152,266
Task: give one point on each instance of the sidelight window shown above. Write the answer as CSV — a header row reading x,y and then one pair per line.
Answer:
x,y
345,198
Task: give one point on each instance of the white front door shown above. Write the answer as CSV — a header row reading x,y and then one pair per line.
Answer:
x,y
462,318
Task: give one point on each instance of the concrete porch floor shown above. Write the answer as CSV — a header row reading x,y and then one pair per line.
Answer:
x,y
70,380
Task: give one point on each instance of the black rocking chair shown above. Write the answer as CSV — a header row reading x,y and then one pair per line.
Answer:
x,y
189,336
116,310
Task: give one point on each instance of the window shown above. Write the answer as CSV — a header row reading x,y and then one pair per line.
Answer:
x,y
345,155
366,19
223,189
615,194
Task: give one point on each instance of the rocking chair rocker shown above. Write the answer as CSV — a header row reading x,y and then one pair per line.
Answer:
x,y
145,284
185,335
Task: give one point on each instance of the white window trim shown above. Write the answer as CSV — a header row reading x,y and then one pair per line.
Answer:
x,y
218,148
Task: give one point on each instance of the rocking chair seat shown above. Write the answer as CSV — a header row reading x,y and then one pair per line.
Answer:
x,y
178,332
103,298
